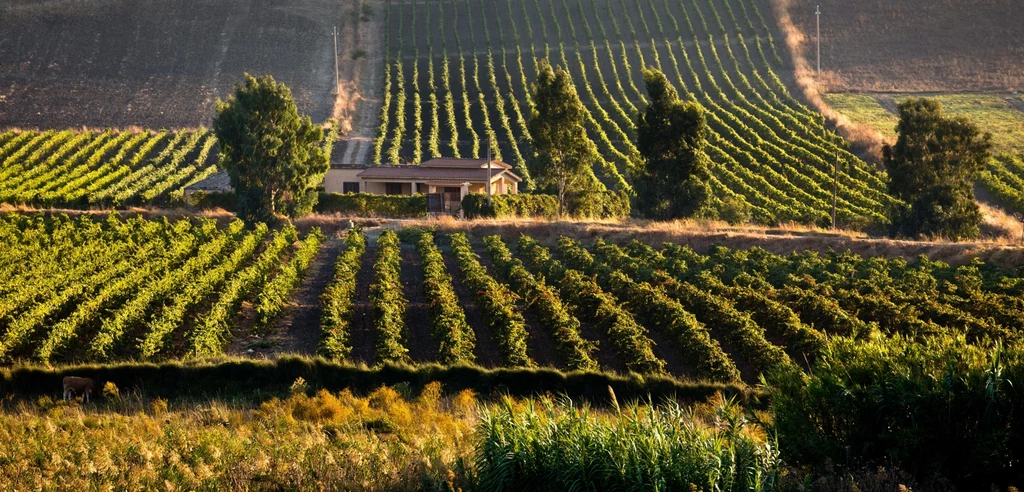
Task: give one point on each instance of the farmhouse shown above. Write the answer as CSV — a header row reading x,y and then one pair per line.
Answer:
x,y
455,178
451,178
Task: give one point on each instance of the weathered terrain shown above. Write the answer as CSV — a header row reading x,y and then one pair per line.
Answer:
x,y
161,64
915,45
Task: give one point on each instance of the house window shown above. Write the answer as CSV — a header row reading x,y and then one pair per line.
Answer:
x,y
393,188
350,187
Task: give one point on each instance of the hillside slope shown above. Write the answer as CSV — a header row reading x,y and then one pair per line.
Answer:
x,y
160,64
458,75
915,45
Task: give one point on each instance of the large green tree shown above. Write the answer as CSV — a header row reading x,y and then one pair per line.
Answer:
x,y
562,154
671,135
931,168
274,157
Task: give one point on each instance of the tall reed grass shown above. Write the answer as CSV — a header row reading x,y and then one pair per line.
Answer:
x,y
548,445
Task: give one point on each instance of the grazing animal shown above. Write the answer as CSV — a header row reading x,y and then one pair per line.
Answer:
x,y
74,386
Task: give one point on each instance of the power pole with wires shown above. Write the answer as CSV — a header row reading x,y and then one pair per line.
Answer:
x,y
817,14
337,76
489,174
835,189
835,174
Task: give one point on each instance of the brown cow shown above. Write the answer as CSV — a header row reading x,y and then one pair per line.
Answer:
x,y
74,386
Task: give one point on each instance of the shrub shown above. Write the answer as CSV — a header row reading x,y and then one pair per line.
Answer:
x,y
734,210
369,205
938,407
601,205
526,205
474,206
209,200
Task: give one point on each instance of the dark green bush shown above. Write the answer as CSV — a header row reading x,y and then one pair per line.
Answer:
x,y
526,205
209,200
475,205
936,408
598,205
369,205
592,205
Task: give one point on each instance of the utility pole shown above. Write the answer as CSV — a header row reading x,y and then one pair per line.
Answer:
x,y
337,77
835,188
817,14
835,174
488,173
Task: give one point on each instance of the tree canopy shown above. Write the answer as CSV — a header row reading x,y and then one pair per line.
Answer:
x,y
671,135
931,168
562,155
274,157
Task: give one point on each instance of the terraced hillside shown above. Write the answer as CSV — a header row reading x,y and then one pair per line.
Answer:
x,y
458,74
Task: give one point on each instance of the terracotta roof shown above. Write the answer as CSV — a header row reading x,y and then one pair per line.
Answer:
x,y
464,163
422,173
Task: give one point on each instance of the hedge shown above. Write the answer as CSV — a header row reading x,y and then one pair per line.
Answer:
x,y
591,205
370,205
261,379
474,205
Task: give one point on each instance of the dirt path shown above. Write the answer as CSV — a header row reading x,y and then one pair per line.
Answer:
x,y
665,350
363,85
362,337
422,347
487,352
541,346
297,330
605,355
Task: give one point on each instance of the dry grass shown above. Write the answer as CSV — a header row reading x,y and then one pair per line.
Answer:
x,y
999,223
1001,251
386,440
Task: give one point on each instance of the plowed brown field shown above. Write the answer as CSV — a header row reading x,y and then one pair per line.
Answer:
x,y
160,63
